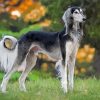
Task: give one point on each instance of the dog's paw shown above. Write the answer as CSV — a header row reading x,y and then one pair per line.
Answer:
x,y
2,90
64,90
70,87
23,89
64,87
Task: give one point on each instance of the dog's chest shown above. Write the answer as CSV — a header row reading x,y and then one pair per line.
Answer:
x,y
72,44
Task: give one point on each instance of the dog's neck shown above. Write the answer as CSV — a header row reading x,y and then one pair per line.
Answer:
x,y
73,30
73,27
76,26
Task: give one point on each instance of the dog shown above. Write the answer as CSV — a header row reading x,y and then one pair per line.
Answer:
x,y
61,47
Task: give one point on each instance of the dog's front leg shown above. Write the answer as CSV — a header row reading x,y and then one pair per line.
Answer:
x,y
64,78
65,65
62,73
71,65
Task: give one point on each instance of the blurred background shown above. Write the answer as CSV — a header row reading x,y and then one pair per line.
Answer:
x,y
20,16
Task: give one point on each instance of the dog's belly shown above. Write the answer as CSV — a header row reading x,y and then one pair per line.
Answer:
x,y
54,54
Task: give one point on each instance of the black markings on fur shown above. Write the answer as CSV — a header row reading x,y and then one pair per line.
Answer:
x,y
46,40
74,8
81,25
23,48
63,37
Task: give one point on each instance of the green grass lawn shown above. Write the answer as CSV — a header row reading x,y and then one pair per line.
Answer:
x,y
49,89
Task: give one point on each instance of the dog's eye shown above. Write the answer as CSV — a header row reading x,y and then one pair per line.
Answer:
x,y
76,12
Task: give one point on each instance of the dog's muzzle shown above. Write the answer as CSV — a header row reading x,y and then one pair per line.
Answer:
x,y
84,18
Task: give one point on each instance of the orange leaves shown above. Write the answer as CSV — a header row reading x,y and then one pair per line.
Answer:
x,y
45,23
81,55
43,57
2,10
42,10
80,70
29,10
26,10
84,58
85,54
11,2
44,66
36,12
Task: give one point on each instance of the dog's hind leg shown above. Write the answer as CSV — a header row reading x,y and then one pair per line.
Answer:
x,y
30,63
7,77
58,66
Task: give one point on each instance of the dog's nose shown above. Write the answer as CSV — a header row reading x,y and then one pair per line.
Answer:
x,y
84,18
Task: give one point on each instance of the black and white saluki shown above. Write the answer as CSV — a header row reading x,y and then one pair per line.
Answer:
x,y
61,46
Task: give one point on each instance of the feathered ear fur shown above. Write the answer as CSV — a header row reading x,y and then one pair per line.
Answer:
x,y
66,17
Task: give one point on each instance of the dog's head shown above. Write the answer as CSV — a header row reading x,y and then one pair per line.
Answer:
x,y
9,42
74,14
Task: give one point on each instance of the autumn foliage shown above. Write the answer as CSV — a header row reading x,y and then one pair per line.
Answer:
x,y
26,10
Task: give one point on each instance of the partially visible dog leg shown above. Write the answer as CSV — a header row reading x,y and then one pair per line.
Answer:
x,y
30,63
7,77
62,73
64,78
58,67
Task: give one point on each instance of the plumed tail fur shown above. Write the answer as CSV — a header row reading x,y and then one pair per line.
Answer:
x,y
7,57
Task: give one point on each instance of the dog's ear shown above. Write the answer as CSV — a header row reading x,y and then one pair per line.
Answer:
x,y
66,16
9,44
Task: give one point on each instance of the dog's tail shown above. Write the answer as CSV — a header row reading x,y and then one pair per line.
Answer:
x,y
8,52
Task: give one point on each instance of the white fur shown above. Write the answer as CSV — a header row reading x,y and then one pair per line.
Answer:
x,y
7,57
78,17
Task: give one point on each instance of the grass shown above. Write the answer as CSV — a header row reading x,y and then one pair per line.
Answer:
x,y
23,31
48,88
